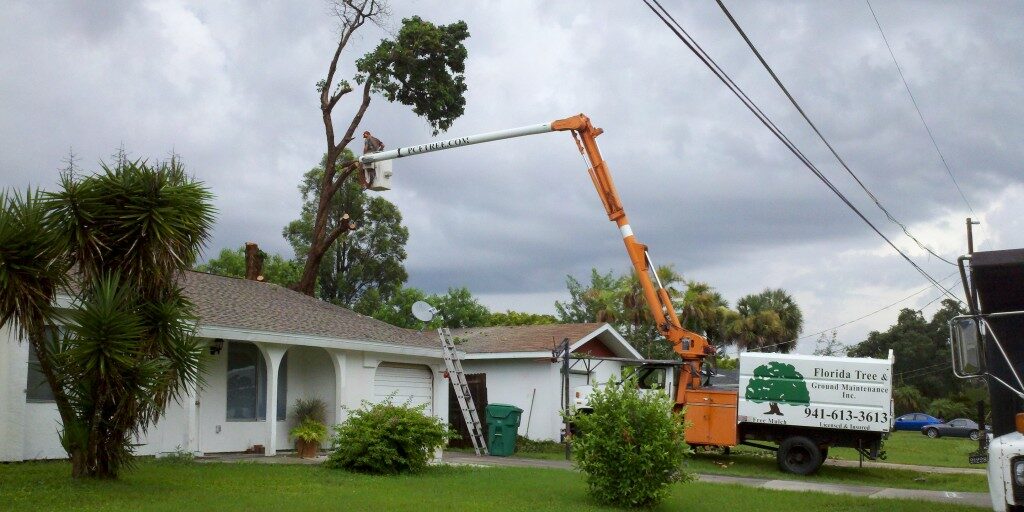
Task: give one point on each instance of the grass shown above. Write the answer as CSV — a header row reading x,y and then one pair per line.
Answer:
x,y
913,448
161,486
750,462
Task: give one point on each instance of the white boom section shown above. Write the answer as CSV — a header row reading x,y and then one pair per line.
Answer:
x,y
455,143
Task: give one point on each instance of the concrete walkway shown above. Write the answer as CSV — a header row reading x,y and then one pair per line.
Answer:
x,y
909,467
976,499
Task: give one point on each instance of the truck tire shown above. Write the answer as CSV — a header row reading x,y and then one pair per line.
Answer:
x,y
799,455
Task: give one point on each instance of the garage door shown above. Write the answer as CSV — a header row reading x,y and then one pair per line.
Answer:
x,y
406,383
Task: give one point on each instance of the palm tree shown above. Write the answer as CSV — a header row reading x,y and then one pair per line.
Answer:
x,y
767,320
703,310
129,347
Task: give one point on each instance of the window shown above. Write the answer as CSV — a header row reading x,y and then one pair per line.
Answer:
x,y
36,387
651,378
247,384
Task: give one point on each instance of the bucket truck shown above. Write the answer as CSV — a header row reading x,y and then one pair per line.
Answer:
x,y
803,403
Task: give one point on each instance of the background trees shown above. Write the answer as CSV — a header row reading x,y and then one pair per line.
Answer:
x,y
276,269
125,235
922,353
422,67
769,320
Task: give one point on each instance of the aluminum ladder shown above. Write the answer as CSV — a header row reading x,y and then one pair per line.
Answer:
x,y
462,392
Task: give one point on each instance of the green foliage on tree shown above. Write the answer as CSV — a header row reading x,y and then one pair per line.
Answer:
x,y
387,439
631,448
510,317
423,68
921,350
619,300
776,383
908,399
770,321
458,308
950,408
276,269
125,236
369,257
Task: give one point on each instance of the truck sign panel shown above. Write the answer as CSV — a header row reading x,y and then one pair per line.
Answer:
x,y
846,393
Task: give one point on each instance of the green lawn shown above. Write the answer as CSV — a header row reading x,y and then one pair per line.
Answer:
x,y
914,448
175,487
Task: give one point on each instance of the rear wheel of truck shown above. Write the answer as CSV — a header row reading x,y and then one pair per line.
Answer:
x,y
799,455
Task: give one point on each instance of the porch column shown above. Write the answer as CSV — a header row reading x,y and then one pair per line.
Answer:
x,y
440,401
273,355
191,443
339,358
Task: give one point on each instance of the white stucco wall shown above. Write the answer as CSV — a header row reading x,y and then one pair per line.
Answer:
x,y
516,381
30,430
13,369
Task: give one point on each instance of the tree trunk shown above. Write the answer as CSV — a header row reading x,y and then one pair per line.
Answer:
x,y
773,408
253,262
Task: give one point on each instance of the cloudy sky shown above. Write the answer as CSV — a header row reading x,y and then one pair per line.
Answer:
x,y
230,87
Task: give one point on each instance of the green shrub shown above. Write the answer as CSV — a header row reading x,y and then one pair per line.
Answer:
x,y
386,439
310,431
631,447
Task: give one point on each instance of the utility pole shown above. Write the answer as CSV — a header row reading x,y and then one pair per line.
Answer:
x,y
983,438
562,352
970,235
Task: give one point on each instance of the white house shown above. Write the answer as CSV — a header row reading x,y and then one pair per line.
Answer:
x,y
514,365
268,346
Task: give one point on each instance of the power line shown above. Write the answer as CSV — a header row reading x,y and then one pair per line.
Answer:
x,y
883,308
792,100
875,312
694,47
918,108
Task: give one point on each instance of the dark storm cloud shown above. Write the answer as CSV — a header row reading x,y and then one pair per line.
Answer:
x,y
231,88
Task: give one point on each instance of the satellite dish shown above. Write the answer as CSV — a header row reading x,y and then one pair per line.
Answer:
x,y
423,312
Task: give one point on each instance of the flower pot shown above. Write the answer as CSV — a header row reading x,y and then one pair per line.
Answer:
x,y
306,449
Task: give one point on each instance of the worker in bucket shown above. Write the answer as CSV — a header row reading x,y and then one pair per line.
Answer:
x,y
371,144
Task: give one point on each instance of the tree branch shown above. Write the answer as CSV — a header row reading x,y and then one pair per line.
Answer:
x,y
351,131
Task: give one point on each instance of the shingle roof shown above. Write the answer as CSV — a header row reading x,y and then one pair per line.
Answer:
x,y
521,338
239,303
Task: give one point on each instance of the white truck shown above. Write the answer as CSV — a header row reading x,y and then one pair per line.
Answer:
x,y
805,404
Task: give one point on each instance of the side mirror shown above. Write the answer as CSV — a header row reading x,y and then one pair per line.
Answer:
x,y
965,337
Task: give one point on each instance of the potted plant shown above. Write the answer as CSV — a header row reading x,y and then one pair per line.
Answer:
x,y
311,429
308,435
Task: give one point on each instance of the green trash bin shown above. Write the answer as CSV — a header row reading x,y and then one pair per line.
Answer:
x,y
502,428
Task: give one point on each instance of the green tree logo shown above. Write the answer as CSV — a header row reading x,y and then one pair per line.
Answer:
x,y
777,382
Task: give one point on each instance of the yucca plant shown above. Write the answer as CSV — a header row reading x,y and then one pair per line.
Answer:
x,y
128,234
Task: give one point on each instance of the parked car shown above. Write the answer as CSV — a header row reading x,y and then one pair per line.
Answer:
x,y
960,427
914,421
